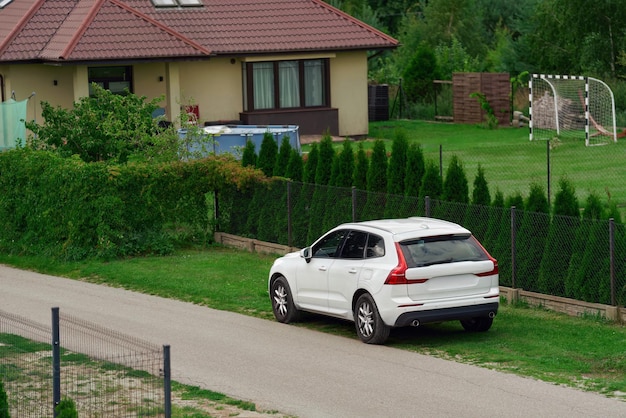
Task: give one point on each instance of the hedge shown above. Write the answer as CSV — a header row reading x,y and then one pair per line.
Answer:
x,y
67,208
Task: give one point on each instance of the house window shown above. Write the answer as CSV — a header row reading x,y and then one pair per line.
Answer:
x,y
114,79
286,84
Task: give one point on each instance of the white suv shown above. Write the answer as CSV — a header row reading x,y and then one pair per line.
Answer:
x,y
389,273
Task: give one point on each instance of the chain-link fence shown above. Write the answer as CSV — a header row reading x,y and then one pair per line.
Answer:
x,y
578,258
105,373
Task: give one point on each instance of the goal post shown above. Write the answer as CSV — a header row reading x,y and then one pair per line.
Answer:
x,y
571,107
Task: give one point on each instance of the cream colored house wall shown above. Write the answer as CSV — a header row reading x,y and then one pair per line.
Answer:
x,y
214,85
40,79
348,81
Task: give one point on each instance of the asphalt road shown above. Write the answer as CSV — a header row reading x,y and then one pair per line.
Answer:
x,y
295,370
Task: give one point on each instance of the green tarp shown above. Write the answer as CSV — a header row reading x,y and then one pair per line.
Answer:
x,y
12,128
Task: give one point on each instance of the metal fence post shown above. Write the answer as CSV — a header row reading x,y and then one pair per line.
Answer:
x,y
167,382
513,246
612,260
427,206
289,219
353,204
56,361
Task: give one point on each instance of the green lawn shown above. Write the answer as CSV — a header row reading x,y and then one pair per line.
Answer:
x,y
511,161
587,353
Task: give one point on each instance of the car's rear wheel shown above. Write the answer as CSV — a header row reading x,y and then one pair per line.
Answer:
x,y
369,325
282,301
480,324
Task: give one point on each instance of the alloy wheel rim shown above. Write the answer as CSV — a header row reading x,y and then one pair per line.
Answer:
x,y
280,300
366,320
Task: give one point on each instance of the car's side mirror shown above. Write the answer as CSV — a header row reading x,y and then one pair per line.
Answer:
x,y
306,254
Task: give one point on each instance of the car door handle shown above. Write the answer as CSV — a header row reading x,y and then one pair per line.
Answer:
x,y
323,268
353,271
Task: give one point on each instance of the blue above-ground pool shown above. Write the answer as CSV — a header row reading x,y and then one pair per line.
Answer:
x,y
232,138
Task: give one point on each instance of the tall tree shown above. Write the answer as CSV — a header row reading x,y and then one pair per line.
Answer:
x,y
396,170
310,167
377,172
325,163
360,168
267,154
455,188
415,169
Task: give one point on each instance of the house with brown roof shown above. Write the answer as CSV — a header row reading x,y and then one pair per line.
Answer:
x,y
260,62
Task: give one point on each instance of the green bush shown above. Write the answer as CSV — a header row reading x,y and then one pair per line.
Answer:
x,y
103,127
66,409
67,208
4,402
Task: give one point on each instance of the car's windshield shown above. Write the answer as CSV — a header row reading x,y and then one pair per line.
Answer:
x,y
442,249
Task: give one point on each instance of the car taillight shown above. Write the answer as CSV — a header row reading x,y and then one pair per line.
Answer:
x,y
398,274
492,272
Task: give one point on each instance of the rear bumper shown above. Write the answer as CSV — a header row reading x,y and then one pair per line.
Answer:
x,y
448,314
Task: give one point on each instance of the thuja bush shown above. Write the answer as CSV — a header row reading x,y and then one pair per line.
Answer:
x,y
4,402
66,409
68,208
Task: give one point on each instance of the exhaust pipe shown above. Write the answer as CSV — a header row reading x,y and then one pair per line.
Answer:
x,y
415,323
492,314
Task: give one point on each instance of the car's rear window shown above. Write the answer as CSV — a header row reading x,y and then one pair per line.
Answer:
x,y
442,249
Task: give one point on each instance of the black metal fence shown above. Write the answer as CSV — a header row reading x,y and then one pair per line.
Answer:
x,y
105,373
582,259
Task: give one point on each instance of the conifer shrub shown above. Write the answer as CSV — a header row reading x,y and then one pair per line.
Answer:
x,y
66,409
267,154
4,402
531,237
560,241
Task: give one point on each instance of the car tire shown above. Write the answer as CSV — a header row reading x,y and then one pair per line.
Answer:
x,y
480,324
369,325
282,301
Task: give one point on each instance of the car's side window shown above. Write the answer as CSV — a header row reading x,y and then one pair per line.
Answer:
x,y
329,246
375,246
354,247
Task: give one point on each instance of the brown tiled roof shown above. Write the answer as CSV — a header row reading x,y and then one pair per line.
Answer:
x,y
90,30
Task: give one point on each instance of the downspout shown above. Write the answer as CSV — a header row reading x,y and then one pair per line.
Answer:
x,y
1,88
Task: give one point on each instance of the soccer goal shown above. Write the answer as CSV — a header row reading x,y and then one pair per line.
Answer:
x,y
571,107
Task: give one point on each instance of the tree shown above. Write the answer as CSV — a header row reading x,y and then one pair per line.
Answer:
x,y
432,184
4,402
282,160
343,166
479,213
104,127
455,188
360,169
267,154
480,192
310,166
249,156
532,237
325,164
419,75
396,170
376,183
295,169
66,409
561,237
377,171
415,169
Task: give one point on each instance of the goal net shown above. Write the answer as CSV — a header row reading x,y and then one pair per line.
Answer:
x,y
571,107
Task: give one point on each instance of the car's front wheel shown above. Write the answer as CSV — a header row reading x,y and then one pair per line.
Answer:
x,y
369,325
282,301
480,324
